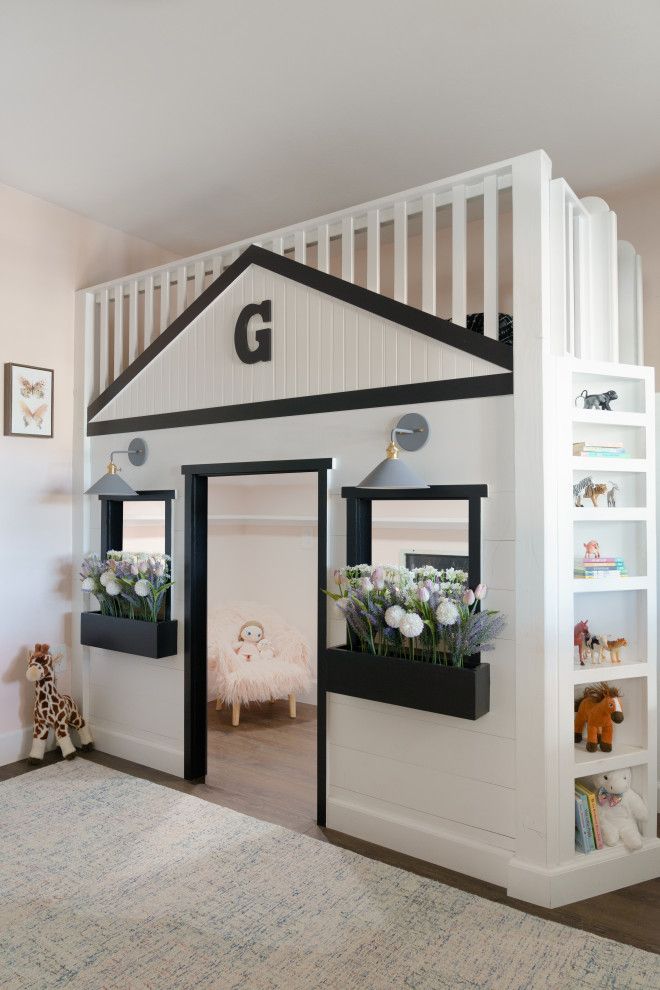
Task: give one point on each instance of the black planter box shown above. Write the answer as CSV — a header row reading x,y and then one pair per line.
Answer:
x,y
463,692
144,639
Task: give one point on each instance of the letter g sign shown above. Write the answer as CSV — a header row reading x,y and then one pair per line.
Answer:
x,y
262,352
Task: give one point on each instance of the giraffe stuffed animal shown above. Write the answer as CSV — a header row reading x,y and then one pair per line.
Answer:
x,y
52,709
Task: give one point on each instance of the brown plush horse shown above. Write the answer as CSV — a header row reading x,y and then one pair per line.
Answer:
x,y
599,707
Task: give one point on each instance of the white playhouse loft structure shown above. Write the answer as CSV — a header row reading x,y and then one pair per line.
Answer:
x,y
504,238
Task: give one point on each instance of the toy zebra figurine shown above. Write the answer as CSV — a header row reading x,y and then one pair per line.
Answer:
x,y
579,489
611,495
52,709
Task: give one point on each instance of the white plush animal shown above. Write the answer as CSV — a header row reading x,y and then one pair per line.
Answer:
x,y
619,808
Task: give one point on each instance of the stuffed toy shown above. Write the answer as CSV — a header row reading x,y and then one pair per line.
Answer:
x,y
251,642
619,808
52,709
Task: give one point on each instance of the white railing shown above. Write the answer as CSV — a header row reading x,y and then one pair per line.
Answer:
x,y
356,244
445,248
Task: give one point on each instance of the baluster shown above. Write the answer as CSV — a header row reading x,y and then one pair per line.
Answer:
x,y
323,241
133,321
119,330
216,267
300,250
429,266
278,245
491,259
148,310
164,300
347,249
373,250
104,342
401,251
181,288
200,269
459,256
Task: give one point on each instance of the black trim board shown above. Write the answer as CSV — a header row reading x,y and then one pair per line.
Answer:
x,y
196,604
355,295
481,386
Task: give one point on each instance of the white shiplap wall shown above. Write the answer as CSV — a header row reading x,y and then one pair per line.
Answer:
x,y
319,345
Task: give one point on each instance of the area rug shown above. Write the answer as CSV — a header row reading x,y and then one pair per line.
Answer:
x,y
108,882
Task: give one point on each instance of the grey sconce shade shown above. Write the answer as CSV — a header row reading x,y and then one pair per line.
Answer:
x,y
110,483
410,433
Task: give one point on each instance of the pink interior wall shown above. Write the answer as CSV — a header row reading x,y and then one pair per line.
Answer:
x,y
46,253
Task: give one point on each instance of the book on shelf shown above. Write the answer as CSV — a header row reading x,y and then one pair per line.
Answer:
x,y
590,794
604,449
580,445
599,567
584,833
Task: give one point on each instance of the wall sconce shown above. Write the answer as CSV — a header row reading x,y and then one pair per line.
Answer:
x,y
410,433
110,483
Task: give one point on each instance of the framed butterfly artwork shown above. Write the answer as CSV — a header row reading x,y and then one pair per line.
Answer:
x,y
28,401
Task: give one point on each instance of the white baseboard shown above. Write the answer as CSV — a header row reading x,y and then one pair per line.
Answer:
x,y
586,876
16,745
404,834
148,752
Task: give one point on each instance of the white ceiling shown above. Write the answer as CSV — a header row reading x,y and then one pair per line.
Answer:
x,y
193,123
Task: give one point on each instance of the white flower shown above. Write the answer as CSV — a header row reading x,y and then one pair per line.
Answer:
x,y
89,584
411,625
366,584
423,593
393,616
142,588
446,613
480,592
106,577
113,588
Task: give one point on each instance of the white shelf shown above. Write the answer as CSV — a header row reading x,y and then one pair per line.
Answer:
x,y
591,585
618,514
604,418
609,465
623,755
591,673
609,853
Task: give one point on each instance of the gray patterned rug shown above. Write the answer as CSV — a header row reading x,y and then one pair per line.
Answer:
x,y
108,882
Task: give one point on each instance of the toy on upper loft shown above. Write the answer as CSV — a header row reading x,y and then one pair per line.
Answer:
x,y
601,400
591,550
588,489
611,496
580,636
52,709
600,708
619,808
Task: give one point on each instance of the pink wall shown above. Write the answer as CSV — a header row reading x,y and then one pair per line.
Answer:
x,y
46,253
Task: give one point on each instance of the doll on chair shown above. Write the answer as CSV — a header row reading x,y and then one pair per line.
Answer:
x,y
252,643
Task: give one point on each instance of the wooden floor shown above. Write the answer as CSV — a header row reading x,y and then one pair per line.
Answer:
x,y
266,768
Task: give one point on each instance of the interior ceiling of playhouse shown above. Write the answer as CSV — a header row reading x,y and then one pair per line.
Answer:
x,y
193,124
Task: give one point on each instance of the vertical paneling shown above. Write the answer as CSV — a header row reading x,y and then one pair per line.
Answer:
x,y
373,250
363,324
348,249
164,300
133,321
323,236
570,279
491,259
302,341
104,342
401,251
119,330
314,302
339,351
428,254
300,246
351,356
639,310
181,288
148,310
582,287
459,256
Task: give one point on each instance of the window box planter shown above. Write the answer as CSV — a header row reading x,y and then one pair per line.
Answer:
x,y
143,639
463,692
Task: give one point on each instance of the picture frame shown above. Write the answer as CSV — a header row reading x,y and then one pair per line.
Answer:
x,y
29,398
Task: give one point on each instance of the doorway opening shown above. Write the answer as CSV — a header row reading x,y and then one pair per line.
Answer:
x,y
256,561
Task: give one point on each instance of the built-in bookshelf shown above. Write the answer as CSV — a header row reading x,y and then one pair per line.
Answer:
x,y
616,605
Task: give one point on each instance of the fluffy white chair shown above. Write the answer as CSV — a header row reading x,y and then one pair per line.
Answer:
x,y
240,681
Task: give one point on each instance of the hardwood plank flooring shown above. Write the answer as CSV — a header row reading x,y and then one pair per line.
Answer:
x,y
266,767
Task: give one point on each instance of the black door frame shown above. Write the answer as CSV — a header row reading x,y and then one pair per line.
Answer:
x,y
195,604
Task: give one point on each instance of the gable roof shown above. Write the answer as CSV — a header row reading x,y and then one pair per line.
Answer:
x,y
373,303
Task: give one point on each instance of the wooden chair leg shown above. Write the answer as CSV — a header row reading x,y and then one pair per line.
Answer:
x,y
236,713
218,704
292,706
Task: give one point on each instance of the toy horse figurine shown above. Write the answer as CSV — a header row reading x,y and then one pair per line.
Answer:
x,y
580,637
599,708
52,709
